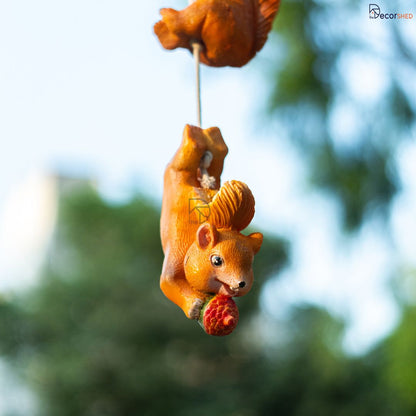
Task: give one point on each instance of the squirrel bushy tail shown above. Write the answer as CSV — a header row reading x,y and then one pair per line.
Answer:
x,y
232,206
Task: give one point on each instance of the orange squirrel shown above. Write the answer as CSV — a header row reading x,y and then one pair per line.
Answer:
x,y
231,32
212,257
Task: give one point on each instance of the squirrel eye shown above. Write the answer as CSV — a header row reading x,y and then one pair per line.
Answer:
x,y
217,261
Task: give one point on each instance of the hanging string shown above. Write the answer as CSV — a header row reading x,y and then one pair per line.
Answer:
x,y
207,181
196,48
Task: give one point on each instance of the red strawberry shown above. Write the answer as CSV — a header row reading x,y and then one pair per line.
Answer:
x,y
219,316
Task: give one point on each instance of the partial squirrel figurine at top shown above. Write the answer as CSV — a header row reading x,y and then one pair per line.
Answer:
x,y
205,252
231,32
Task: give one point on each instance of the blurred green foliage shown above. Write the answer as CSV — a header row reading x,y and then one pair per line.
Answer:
x,y
97,336
320,44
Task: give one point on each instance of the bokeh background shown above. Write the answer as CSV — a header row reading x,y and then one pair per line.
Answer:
x,y
320,125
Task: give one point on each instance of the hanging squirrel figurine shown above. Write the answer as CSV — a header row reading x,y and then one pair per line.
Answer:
x,y
205,251
208,261
231,32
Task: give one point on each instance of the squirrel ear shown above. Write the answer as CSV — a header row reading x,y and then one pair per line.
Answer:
x,y
256,239
206,236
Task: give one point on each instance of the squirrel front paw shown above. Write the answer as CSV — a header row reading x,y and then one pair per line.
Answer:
x,y
195,309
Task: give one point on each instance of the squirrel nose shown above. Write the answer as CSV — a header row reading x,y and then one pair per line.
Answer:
x,y
241,284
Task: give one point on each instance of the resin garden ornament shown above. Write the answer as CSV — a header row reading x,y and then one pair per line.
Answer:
x,y
208,261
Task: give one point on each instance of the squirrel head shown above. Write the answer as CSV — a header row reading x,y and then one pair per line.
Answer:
x,y
220,261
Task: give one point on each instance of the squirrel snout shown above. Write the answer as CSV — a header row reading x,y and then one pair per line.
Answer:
x,y
240,285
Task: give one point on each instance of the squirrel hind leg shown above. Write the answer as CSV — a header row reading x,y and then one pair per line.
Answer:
x,y
218,149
